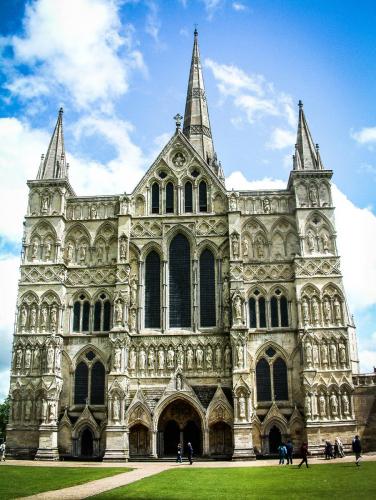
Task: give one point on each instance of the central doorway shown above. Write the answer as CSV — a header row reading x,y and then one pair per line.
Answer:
x,y
87,447
275,439
179,423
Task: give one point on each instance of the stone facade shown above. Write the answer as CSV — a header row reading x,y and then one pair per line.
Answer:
x,y
110,361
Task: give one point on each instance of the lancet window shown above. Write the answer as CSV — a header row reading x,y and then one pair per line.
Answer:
x,y
257,310
169,198
102,314
81,314
207,289
155,198
188,197
203,196
180,282
271,377
152,290
89,380
279,310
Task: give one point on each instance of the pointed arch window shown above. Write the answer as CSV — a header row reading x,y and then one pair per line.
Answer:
x,y
263,381
89,381
169,198
271,377
280,380
279,310
153,290
81,315
188,197
102,314
257,310
207,289
155,198
180,282
203,196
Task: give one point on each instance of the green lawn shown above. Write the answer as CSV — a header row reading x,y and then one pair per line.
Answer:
x,y
18,481
334,481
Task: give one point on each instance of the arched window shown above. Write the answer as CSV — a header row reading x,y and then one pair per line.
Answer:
x,y
155,198
257,316
263,382
279,310
180,282
153,290
81,383
102,314
188,198
89,381
203,197
280,380
169,198
207,289
81,315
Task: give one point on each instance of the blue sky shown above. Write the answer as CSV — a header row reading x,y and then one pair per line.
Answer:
x,y
120,69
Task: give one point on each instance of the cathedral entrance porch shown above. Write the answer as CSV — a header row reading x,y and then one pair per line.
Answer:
x,y
179,423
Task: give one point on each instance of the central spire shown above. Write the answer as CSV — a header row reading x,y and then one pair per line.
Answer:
x,y
53,166
196,117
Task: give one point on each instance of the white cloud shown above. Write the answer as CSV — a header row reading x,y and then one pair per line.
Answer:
x,y
75,47
153,22
211,7
239,7
282,138
366,135
238,181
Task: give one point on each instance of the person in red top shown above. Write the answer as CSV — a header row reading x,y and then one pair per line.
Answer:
x,y
304,453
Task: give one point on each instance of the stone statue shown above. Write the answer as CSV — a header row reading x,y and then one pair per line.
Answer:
x,y
45,203
333,404
315,311
69,252
43,317
237,309
100,253
83,252
209,358
242,413
119,312
337,311
50,359
151,359
170,358
123,248
327,311
124,205
47,250
23,317
133,320
345,404
342,354
308,406
325,242
180,357
333,354
305,311
313,195
16,410
27,358
315,354
132,359
178,383
189,358
53,318
33,318
266,205
161,359
116,409
28,407
260,247
228,358
233,203
199,356
34,249
225,292
52,411
226,318
178,160
133,292
218,357
117,359
324,354
57,360
322,406
311,242
239,356
44,410
36,359
93,212
308,353
142,359
235,245
18,361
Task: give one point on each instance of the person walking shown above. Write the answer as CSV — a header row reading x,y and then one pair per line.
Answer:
x,y
304,453
290,450
190,453
341,453
178,456
282,453
357,449
328,450
2,451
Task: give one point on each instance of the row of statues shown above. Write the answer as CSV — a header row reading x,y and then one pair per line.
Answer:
x,y
316,312
34,318
327,406
318,243
36,359
29,411
325,355
42,251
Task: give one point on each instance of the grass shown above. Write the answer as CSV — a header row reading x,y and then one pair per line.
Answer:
x,y
18,481
345,481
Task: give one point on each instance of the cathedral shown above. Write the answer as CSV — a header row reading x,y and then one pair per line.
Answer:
x,y
182,311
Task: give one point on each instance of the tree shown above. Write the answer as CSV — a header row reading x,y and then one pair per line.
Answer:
x,y
4,416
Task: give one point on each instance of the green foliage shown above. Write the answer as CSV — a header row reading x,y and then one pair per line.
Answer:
x,y
4,416
20,481
326,481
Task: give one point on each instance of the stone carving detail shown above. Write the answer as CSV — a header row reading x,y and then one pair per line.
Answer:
x,y
147,229
235,245
97,276
214,227
90,210
318,236
262,272
237,309
324,308
179,160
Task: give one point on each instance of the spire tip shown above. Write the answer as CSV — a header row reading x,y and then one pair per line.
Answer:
x,y
300,104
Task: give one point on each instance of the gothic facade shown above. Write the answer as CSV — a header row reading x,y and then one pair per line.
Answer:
x,y
181,311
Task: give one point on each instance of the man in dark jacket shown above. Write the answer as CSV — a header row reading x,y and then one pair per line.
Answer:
x,y
304,453
190,453
357,449
290,449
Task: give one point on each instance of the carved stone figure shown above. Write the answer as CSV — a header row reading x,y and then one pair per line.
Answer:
x,y
27,358
311,241
324,354
100,253
43,317
315,311
228,358
342,354
189,358
233,204
133,297
82,252
132,359
209,358
218,357
333,354
322,406
34,249
178,160
33,318
179,383
199,357
28,407
161,359
50,359
47,250
170,358
142,359
345,404
315,354
57,360
308,353
124,205
313,195
69,250
119,312
308,406
180,357
151,359
242,413
116,409
327,311
226,318
260,247
53,318
133,320
237,309
23,317
18,361
337,311
93,212
45,203
235,245
266,205
225,292
333,404
245,245
123,248
325,242
239,356
36,359
117,359
52,411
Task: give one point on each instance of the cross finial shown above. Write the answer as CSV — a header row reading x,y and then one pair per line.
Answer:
x,y
178,118
195,31
300,104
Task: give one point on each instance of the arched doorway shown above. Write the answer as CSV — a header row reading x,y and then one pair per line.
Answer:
x,y
138,441
179,422
275,439
87,443
220,439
